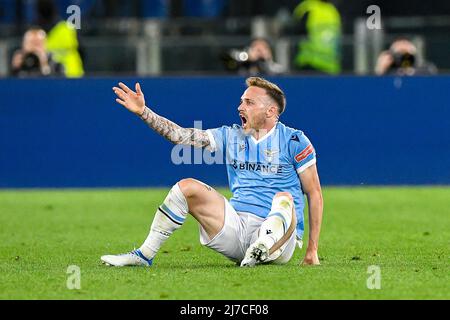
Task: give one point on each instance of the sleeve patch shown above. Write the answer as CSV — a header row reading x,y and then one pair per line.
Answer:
x,y
305,153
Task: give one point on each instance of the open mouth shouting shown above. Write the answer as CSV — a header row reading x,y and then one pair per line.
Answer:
x,y
243,120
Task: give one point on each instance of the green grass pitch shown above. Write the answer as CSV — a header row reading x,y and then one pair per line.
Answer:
x,y
403,231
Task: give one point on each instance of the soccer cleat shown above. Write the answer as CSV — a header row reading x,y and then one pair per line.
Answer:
x,y
133,258
258,252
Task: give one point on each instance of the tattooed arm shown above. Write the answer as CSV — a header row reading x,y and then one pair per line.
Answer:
x,y
135,102
173,132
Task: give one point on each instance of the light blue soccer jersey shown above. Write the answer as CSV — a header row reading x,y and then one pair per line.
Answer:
x,y
257,170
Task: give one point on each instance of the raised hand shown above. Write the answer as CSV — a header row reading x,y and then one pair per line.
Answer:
x,y
133,101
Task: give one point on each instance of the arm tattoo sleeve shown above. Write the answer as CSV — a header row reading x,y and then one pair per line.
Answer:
x,y
173,132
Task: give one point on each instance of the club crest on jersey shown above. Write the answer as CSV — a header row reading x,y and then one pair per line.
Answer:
x,y
242,147
270,154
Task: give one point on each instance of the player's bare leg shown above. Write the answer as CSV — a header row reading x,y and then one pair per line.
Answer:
x,y
205,204
274,232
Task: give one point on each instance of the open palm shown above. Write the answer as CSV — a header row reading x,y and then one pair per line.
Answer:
x,y
133,101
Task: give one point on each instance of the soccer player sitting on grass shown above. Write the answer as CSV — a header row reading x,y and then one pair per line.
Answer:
x,y
270,169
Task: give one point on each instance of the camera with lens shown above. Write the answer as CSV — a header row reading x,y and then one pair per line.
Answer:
x,y
31,64
403,60
236,59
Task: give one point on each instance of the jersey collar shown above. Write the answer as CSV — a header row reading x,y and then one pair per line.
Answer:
x,y
268,134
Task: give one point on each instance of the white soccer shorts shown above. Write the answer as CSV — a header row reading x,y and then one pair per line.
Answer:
x,y
240,230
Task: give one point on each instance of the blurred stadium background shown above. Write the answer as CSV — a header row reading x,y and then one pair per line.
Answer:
x,y
370,128
162,37
59,132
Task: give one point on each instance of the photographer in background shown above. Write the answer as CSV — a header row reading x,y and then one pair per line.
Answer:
x,y
33,60
255,60
401,59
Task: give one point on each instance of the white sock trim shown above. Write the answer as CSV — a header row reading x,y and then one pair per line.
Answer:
x,y
169,217
175,206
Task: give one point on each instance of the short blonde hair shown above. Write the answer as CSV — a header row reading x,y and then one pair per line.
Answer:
x,y
272,91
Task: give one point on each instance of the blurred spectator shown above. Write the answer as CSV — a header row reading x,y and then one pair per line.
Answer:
x,y
33,59
401,59
62,39
321,50
257,59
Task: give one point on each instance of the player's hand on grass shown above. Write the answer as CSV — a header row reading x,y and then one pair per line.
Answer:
x,y
311,258
133,101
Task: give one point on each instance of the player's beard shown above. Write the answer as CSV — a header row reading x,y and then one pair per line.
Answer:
x,y
253,124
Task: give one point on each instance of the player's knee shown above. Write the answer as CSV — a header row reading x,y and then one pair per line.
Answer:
x,y
283,198
187,186
283,202
284,194
190,187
